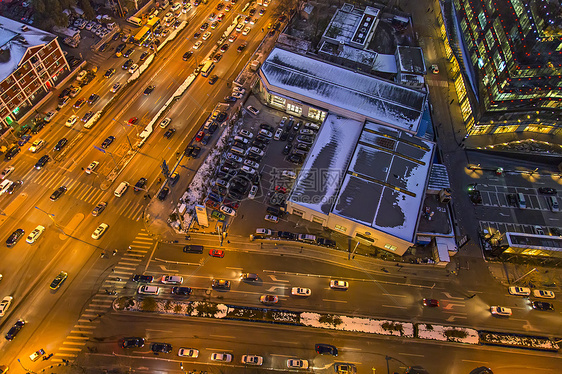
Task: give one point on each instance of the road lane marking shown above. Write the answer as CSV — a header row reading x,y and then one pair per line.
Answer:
x,y
223,336
411,354
478,362
231,268
389,294
396,306
284,342
335,301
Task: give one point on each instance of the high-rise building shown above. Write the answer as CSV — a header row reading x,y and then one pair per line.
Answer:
x,y
511,52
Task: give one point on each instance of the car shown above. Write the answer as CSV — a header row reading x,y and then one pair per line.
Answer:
x,y
79,103
271,218
35,234
107,142
287,149
253,110
60,144
14,237
295,363
187,55
547,191
307,139
161,348
128,52
250,277
13,186
7,171
232,37
171,279
253,191
36,145
213,79
116,87
500,311
5,305
188,352
99,208
265,133
431,302
252,360
217,57
99,231
93,165
216,253
143,56
149,90
326,349
149,290
132,121
218,215
134,342
278,133
58,193
228,211
71,120
193,249
5,185
109,73
220,284
93,98
181,291
133,68
163,194
199,136
281,189
12,152
345,368
142,278
303,147
246,31
542,305
58,281
11,334
435,69
221,357
168,134
339,284
519,291
543,294
87,116
300,291
197,44
269,299
241,47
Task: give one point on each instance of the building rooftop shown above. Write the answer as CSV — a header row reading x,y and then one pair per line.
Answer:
x,y
377,99
410,60
371,174
14,43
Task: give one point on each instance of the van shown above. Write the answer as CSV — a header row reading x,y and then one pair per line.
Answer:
x,y
553,202
135,21
307,238
237,150
521,201
121,189
149,290
241,139
193,249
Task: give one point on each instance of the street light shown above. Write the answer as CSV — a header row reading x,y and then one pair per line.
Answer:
x,y
52,217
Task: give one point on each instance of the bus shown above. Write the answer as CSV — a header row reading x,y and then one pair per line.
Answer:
x,y
142,35
153,23
207,68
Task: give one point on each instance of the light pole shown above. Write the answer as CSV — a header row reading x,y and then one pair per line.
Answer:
x,y
125,131
52,217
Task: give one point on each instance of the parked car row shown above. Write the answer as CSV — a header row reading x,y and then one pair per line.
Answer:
x,y
264,233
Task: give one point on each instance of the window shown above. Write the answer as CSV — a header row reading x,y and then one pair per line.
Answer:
x,y
294,109
297,212
318,220
316,114
278,101
365,237
390,247
340,228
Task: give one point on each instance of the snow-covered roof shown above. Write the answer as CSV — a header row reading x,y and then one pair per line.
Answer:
x,y
370,174
343,25
410,59
385,63
376,99
14,43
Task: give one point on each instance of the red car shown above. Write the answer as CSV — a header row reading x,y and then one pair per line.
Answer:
x,y
232,204
431,302
212,204
133,120
216,253
280,189
199,136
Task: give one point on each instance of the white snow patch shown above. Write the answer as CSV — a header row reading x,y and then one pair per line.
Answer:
x,y
437,332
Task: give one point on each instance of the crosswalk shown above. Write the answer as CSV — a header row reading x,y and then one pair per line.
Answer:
x,y
84,191
101,302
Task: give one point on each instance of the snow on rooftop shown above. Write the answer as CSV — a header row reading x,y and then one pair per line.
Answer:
x,y
372,97
386,181
16,42
321,175
385,64
343,25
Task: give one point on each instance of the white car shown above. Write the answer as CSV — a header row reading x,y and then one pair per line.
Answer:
x,y
246,134
294,363
165,122
257,151
49,116
339,284
99,231
252,360
115,87
37,145
172,279
222,357
289,174
253,110
228,210
206,35
253,191
197,44
266,133
233,157
7,172
5,304
149,290
543,294
519,291
299,291
248,170
500,311
263,231
278,133
188,352
91,167
271,218
175,7
71,121
133,68
246,31
35,234
5,185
